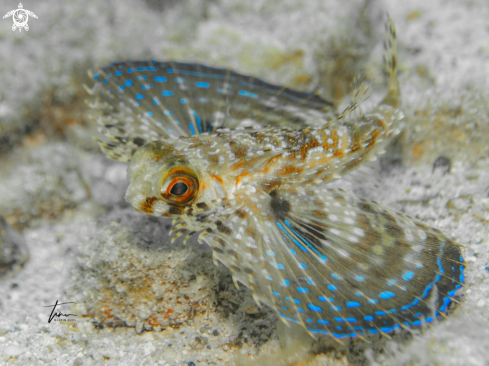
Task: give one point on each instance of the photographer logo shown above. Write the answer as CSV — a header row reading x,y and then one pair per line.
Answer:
x,y
20,17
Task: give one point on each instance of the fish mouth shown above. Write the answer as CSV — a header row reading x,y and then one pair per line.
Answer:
x,y
152,206
140,201
147,205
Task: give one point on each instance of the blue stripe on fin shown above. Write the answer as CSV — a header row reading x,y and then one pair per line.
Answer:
x,y
305,241
202,84
197,119
291,319
248,94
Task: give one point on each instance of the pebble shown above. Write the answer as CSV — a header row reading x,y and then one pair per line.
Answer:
x,y
149,348
252,310
13,351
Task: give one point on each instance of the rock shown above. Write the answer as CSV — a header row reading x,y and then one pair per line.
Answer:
x,y
13,351
129,275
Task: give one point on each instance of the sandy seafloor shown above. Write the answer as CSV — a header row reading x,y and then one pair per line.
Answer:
x,y
143,301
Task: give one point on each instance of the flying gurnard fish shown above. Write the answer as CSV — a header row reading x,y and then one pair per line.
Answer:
x,y
321,257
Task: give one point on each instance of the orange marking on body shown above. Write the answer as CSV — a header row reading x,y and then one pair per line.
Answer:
x,y
147,205
243,163
319,172
310,145
338,153
293,155
334,136
218,178
269,163
355,144
241,176
220,181
240,164
270,186
374,136
288,169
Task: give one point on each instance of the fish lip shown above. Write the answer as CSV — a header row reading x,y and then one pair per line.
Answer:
x,y
135,200
160,209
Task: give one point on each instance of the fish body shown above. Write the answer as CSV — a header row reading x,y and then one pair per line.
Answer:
x,y
239,161
269,159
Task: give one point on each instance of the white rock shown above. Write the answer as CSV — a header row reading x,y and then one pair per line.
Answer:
x,y
13,351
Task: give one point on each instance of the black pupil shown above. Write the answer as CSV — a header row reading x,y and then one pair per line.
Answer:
x,y
179,189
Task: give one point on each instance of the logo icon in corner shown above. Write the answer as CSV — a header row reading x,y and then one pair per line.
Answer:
x,y
20,17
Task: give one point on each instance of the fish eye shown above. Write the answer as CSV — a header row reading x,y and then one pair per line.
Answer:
x,y
180,186
179,189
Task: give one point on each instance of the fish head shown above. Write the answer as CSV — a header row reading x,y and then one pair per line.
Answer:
x,y
163,182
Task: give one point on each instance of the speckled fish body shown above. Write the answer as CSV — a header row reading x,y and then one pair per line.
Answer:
x,y
323,258
228,161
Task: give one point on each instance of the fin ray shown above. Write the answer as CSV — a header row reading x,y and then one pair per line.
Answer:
x,y
151,100
339,264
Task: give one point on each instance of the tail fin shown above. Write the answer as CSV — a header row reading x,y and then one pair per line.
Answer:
x,y
393,96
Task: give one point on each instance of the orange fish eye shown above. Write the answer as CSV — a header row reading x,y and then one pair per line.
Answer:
x,y
182,186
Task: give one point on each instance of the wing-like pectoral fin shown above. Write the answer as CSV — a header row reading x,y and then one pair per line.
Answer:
x,y
337,264
164,100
